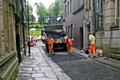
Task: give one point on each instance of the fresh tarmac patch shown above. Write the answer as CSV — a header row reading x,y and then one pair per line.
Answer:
x,y
68,57
64,56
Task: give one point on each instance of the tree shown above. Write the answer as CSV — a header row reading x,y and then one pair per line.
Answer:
x,y
41,12
30,9
50,10
56,8
31,16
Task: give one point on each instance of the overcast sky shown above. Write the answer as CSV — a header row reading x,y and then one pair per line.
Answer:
x,y
45,2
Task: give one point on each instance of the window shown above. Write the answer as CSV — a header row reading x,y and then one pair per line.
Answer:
x,y
68,31
82,2
116,12
89,4
86,5
71,31
70,5
101,2
65,11
68,8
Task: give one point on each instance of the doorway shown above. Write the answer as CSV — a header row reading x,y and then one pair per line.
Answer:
x,y
81,37
18,43
88,31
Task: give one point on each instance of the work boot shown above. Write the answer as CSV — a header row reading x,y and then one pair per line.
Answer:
x,y
49,54
94,56
53,53
89,56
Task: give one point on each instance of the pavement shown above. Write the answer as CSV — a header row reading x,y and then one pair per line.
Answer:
x,y
40,67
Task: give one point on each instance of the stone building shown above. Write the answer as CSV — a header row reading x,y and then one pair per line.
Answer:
x,y
73,21
103,19
12,36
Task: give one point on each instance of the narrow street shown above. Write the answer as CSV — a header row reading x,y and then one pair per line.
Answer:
x,y
70,28
41,67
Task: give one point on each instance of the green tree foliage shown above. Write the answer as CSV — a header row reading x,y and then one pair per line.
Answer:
x,y
50,10
55,9
58,7
41,11
30,9
31,16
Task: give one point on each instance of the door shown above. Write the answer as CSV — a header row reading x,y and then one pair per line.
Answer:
x,y
18,44
88,29
81,37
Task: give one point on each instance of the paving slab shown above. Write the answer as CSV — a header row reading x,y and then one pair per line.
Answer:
x,y
25,69
24,75
38,75
39,67
26,72
45,79
24,78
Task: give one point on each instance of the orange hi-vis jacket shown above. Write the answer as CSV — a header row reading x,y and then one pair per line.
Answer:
x,y
50,44
69,42
50,40
65,40
69,46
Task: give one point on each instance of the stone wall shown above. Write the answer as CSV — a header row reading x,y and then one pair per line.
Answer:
x,y
8,51
111,37
99,39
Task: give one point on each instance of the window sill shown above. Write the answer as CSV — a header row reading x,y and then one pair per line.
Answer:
x,y
114,27
99,28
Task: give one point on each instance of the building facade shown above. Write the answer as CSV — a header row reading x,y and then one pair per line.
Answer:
x,y
104,21
73,21
12,36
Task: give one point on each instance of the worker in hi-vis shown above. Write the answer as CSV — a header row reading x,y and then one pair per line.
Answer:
x,y
50,42
92,45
